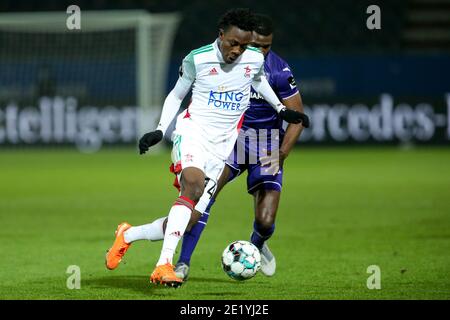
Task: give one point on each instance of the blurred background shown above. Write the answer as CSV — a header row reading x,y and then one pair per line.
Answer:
x,y
104,84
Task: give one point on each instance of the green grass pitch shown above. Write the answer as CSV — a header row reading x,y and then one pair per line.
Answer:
x,y
342,210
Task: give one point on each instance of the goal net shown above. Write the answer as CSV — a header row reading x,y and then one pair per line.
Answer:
x,y
102,83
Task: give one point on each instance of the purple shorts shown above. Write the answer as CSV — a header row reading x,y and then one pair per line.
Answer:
x,y
250,146
257,179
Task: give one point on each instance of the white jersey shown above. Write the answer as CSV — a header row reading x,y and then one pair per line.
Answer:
x,y
220,94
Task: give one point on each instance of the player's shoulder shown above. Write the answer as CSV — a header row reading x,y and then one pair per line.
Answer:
x,y
254,51
201,54
204,54
276,63
202,50
253,55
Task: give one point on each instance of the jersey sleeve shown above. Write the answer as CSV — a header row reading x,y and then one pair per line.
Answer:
x,y
285,83
187,71
173,100
260,72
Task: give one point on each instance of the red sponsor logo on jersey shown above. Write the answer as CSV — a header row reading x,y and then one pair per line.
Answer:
x,y
176,234
213,72
247,71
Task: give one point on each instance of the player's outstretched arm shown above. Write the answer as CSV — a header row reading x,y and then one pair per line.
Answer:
x,y
171,105
170,109
262,86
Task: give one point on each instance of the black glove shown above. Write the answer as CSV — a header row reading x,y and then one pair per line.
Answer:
x,y
149,139
293,116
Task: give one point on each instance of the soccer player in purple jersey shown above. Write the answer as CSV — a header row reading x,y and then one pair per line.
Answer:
x,y
263,182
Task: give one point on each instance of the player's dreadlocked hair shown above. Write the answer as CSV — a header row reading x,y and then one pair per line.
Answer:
x,y
263,24
242,18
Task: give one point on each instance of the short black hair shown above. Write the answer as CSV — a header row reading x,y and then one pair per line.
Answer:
x,y
242,18
263,24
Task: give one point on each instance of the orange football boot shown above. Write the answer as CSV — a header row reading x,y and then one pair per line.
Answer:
x,y
164,274
119,247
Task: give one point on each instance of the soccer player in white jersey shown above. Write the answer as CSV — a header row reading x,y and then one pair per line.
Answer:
x,y
220,75
263,183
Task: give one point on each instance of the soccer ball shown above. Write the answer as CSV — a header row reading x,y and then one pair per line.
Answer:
x,y
241,260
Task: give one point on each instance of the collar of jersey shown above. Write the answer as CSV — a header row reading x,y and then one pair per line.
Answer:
x,y
218,52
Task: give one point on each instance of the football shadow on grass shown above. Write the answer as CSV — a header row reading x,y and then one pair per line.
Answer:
x,y
140,284
212,280
220,293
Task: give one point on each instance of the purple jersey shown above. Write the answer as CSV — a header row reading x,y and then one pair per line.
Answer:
x,y
260,114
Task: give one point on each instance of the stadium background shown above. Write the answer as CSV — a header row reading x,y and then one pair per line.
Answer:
x,y
376,193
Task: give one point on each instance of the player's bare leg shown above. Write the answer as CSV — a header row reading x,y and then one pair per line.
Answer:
x,y
266,206
194,230
126,234
192,185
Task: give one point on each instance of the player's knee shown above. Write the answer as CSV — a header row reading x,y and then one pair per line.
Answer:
x,y
192,187
197,192
193,190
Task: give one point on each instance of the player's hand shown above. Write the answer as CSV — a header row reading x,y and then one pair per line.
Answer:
x,y
272,162
149,139
293,116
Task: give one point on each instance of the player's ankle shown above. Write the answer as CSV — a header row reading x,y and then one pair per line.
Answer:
x,y
188,263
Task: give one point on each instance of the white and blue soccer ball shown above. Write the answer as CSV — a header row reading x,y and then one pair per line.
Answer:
x,y
241,260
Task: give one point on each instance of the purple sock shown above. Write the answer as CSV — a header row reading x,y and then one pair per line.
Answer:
x,y
260,234
191,238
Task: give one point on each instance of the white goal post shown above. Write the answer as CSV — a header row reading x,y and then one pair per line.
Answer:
x,y
118,58
154,37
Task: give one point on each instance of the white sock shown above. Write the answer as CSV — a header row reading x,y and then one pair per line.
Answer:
x,y
177,222
152,231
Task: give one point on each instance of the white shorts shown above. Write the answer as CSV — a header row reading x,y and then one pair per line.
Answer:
x,y
191,149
